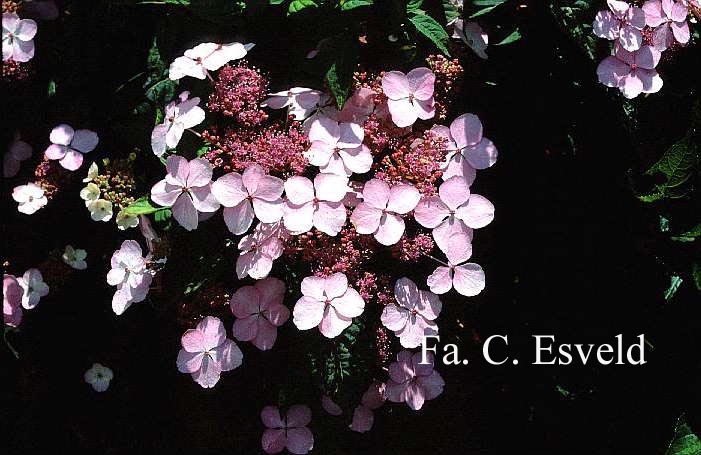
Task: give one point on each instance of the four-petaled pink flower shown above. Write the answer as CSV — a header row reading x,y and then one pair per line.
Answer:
x,y
187,189
411,318
453,210
668,18
253,194
358,107
11,301
259,249
467,149
17,38
410,96
68,145
18,152
315,205
207,352
176,119
379,212
130,274
632,73
373,398
205,57
327,303
466,277
290,432
623,22
337,148
412,382
34,288
259,312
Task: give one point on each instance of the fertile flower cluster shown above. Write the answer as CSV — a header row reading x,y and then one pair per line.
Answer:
x,y
238,92
113,188
640,35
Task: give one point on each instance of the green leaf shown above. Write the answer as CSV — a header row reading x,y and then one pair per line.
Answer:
x,y
432,30
339,75
352,4
482,11
202,150
277,2
674,283
162,215
451,11
676,166
684,442
339,83
690,235
514,36
159,88
488,2
413,6
298,5
51,89
141,206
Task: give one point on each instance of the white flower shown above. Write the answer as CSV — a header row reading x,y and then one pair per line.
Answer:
x,y
126,221
90,193
99,377
100,210
17,38
301,102
177,118
75,258
34,288
30,197
206,57
92,173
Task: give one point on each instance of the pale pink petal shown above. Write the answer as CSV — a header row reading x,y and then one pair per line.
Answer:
x,y
654,15
25,29
315,287
199,173
469,279
458,166
611,70
402,370
652,82
619,7
358,160
390,229
269,188
307,313
299,218
413,333
72,160
325,130
208,374
395,390
62,134
277,314
366,218
158,139
424,109
432,385
395,85
245,329
630,38
631,86
189,362
477,213
430,211
299,190
213,331
679,12
267,334
403,198
245,301
351,135
647,57
165,194
429,305
253,264
376,193
454,192
320,153
228,355
185,212
193,341
606,25
350,304
56,152
238,218
466,130
268,212
680,31
333,323
177,169
403,112
272,292
421,82
330,187
394,317
440,281
229,190
329,217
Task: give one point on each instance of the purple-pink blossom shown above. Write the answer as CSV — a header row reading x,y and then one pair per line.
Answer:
x,y
363,416
259,249
668,18
207,352
412,316
412,382
130,273
17,38
11,301
178,116
379,213
315,204
466,277
337,148
632,73
187,189
251,195
259,312
69,145
409,96
289,432
328,303
623,22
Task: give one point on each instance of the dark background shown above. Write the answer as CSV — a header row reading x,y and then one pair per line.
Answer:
x,y
571,253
